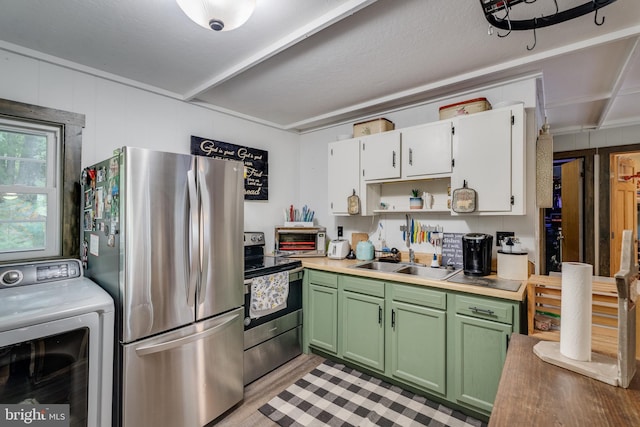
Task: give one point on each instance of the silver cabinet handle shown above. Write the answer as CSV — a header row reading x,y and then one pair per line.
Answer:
x,y
393,162
410,157
157,348
481,310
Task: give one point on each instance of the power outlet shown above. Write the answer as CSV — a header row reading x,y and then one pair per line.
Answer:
x,y
500,235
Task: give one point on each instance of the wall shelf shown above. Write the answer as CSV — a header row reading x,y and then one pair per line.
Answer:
x,y
401,211
395,195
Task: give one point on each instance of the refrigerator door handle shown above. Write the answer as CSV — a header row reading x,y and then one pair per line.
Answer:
x,y
168,345
205,206
193,237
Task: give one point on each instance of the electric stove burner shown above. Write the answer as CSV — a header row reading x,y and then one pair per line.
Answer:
x,y
257,264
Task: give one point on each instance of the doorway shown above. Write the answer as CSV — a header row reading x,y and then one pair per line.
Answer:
x,y
624,205
564,221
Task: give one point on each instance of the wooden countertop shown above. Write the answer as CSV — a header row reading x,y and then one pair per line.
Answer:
x,y
344,266
535,393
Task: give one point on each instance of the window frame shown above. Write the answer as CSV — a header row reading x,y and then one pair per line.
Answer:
x,y
70,127
51,189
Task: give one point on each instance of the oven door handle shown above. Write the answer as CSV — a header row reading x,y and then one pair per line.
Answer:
x,y
247,282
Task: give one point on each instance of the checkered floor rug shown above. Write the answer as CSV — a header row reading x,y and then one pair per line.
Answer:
x,y
335,395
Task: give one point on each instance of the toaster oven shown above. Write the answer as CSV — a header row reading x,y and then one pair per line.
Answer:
x,y
301,241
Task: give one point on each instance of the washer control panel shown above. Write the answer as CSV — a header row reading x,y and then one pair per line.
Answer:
x,y
39,272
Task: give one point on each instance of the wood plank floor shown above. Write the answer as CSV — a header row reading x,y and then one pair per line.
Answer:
x,y
256,394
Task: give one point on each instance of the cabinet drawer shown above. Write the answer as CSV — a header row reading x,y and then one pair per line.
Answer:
x,y
323,278
360,285
485,308
419,296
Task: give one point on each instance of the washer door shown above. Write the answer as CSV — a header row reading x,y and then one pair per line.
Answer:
x,y
56,362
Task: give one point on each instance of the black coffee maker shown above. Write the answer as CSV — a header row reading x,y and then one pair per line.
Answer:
x,y
476,254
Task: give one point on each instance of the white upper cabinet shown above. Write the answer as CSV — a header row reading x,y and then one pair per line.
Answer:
x,y
380,156
489,156
344,174
485,150
426,150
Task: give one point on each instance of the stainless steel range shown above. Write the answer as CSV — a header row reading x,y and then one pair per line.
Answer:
x,y
275,337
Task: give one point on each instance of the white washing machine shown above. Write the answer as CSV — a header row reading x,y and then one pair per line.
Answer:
x,y
56,340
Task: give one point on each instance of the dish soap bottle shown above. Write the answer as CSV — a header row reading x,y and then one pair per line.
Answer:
x,y
379,244
434,262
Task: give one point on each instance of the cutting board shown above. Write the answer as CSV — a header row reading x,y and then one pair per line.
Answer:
x,y
358,237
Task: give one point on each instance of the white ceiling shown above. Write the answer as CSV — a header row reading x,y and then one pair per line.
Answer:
x,y
301,64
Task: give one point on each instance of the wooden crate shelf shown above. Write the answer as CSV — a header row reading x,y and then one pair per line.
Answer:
x,y
544,294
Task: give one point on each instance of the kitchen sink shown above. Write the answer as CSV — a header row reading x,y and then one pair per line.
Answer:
x,y
427,272
387,267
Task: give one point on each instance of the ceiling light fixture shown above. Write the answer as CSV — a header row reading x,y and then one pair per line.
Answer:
x,y
218,15
497,13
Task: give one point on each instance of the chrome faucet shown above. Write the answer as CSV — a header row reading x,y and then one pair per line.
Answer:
x,y
412,255
408,231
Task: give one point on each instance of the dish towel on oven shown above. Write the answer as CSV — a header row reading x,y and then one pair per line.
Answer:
x,y
269,294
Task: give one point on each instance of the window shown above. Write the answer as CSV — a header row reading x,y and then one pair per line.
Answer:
x,y
30,178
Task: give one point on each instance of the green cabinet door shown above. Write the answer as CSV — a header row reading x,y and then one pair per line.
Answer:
x,y
321,316
480,351
418,346
362,329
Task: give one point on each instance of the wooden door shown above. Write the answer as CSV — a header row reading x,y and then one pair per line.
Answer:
x,y
570,194
623,206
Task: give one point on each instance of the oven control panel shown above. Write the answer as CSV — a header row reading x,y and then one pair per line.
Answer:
x,y
253,238
39,272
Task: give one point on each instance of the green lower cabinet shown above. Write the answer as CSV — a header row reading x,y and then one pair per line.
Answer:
x,y
449,344
480,352
418,346
321,316
362,329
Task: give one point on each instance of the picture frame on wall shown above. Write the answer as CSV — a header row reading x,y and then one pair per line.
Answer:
x,y
256,163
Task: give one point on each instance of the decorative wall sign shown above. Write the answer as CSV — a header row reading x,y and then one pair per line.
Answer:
x,y
256,166
452,249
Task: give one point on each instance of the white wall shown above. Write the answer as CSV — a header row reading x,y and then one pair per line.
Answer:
x,y
313,180
612,137
118,115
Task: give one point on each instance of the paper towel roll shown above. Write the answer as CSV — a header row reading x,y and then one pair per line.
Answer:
x,y
575,314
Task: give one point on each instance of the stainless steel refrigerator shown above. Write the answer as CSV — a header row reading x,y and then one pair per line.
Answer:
x,y
163,235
